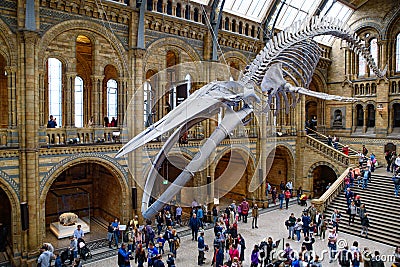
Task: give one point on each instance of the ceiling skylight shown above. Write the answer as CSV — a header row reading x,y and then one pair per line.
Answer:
x,y
254,10
334,9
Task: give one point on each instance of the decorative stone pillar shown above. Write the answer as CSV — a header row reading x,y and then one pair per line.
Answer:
x,y
365,119
97,107
28,122
122,100
383,55
391,118
12,96
69,100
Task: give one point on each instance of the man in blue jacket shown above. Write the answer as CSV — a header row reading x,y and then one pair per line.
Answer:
x,y
201,247
194,224
123,256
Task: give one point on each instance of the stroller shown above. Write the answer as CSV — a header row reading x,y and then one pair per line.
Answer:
x,y
84,251
303,200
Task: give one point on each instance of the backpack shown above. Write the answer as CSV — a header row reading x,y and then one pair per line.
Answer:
x,y
287,223
344,258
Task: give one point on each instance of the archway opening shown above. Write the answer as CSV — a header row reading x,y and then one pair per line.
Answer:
x,y
90,191
322,176
3,94
281,167
360,116
371,116
396,115
233,169
5,221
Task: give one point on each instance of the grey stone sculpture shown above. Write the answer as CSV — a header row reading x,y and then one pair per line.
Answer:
x,y
289,58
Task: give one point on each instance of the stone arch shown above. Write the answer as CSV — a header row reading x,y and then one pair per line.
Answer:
x,y
9,54
11,189
87,27
319,163
288,150
109,163
373,23
317,187
389,21
320,80
238,188
236,55
170,42
66,64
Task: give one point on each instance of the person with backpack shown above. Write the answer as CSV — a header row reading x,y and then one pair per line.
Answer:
x,y
290,225
245,209
376,260
396,182
345,257
297,228
306,224
356,254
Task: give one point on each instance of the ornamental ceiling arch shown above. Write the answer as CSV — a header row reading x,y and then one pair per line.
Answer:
x,y
89,29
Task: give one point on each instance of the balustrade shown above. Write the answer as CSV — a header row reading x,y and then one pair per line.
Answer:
x,y
69,136
365,88
335,189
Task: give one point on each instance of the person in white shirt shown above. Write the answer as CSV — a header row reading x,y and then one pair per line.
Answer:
x,y
397,161
78,233
332,239
289,186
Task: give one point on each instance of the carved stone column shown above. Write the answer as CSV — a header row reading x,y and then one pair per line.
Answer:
x,y
97,82
365,119
28,123
12,96
69,101
383,55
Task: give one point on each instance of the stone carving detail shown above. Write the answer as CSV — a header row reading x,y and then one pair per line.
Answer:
x,y
68,218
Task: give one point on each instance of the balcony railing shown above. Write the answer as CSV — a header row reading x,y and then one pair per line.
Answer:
x,y
72,136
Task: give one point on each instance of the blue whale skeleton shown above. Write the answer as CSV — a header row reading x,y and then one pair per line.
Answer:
x,y
288,58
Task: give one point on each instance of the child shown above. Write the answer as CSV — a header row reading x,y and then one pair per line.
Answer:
x,y
311,229
161,242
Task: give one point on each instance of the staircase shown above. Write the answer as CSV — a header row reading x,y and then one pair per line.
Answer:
x,y
382,206
324,139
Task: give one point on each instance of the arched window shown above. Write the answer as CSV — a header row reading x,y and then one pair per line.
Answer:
x,y
187,12
196,15
112,99
373,48
398,52
227,24
172,58
149,5
159,6
253,31
240,27
78,101
361,66
246,29
3,94
54,70
234,25
394,87
179,10
360,115
169,7
148,104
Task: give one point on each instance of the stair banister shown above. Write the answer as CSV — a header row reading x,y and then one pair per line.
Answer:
x,y
326,137
335,189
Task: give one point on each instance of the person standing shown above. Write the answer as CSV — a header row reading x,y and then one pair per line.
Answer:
x,y
45,257
345,257
201,246
215,213
254,214
78,232
365,225
245,209
152,253
123,256
179,215
352,211
364,151
332,239
376,260
73,247
297,229
290,224
281,197
335,219
194,224
115,226
160,222
242,244
255,256
288,194
140,255
356,254
396,183
110,234
289,186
